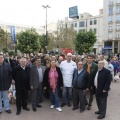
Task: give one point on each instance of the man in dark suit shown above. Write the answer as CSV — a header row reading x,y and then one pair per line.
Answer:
x,y
36,79
21,75
102,82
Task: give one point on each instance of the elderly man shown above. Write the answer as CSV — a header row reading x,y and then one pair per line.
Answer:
x,y
21,75
60,59
80,86
102,82
67,68
5,82
36,79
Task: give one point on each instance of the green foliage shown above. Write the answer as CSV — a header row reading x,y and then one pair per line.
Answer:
x,y
43,40
11,53
5,50
28,41
85,41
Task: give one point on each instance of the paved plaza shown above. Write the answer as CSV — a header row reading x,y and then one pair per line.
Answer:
x,y
45,113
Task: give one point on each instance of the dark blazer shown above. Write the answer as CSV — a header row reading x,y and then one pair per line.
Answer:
x,y
93,71
16,74
34,76
7,77
81,80
103,83
46,78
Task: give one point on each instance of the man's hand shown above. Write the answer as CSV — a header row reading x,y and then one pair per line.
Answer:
x,y
31,87
104,91
44,88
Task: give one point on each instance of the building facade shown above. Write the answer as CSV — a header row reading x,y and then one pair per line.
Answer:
x,y
86,22
111,18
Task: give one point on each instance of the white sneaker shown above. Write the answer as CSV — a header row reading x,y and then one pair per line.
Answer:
x,y
52,106
59,109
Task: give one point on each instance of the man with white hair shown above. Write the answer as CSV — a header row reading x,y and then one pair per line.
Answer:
x,y
67,68
60,59
21,75
102,82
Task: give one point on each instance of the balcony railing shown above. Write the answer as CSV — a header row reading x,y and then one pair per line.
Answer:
x,y
117,4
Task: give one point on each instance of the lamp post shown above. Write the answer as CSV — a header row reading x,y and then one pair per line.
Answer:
x,y
47,6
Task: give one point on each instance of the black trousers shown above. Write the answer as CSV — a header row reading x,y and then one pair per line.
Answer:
x,y
102,104
79,97
36,95
21,99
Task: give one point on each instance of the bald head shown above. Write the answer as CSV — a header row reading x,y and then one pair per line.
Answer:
x,y
100,64
23,62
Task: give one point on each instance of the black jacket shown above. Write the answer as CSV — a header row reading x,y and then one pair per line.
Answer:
x,y
46,78
5,82
16,74
81,80
103,82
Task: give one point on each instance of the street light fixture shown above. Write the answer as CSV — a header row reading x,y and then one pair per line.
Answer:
x,y
47,6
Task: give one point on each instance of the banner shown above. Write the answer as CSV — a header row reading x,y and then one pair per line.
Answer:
x,y
73,12
13,36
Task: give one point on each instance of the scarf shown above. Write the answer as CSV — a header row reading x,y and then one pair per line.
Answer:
x,y
53,82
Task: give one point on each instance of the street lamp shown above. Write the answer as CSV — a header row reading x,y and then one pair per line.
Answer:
x,y
47,6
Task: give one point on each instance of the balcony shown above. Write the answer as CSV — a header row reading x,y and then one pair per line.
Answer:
x,y
110,14
117,38
117,30
110,22
111,4
110,30
117,21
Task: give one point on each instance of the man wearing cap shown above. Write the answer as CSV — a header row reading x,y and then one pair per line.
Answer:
x,y
67,68
5,82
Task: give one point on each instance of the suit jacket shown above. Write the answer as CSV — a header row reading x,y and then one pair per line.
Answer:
x,y
16,74
103,82
34,76
93,71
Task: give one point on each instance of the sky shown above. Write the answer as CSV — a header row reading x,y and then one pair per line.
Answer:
x,y
31,12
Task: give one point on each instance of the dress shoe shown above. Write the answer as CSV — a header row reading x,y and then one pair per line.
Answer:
x,y
63,104
8,111
39,106
18,112
82,110
89,107
74,108
69,104
101,117
34,109
26,108
97,112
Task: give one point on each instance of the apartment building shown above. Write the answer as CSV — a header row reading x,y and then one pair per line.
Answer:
x,y
111,18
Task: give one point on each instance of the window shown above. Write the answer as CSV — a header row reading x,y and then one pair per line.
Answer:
x,y
72,25
110,19
118,10
95,22
110,27
117,18
117,27
110,2
117,35
90,22
75,24
95,30
110,11
82,24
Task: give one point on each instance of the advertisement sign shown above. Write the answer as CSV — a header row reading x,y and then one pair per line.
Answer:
x,y
73,12
13,36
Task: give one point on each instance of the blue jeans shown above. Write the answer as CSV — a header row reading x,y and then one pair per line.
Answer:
x,y
4,95
55,98
66,94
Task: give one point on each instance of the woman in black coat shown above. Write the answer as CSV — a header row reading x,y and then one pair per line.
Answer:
x,y
53,81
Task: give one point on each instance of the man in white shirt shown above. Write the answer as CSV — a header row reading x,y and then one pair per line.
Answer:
x,y
67,68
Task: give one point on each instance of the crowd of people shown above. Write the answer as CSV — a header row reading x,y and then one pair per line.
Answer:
x,y
70,80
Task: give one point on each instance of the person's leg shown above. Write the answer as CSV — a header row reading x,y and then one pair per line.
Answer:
x,y
57,101
34,94
6,100
103,106
0,101
75,98
52,97
90,99
24,98
18,100
69,94
64,95
98,103
39,90
82,97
